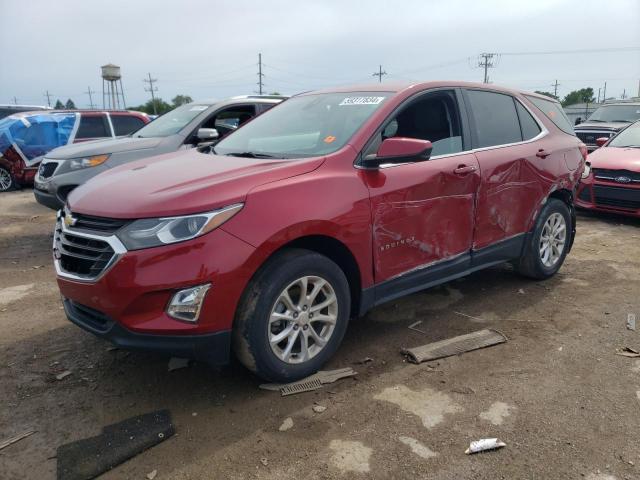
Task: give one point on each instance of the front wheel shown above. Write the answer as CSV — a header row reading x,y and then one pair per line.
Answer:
x,y
7,182
293,316
548,243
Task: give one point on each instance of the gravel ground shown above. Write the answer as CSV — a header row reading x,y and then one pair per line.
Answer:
x,y
555,393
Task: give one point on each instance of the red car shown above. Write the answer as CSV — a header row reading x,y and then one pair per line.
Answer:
x,y
314,212
26,137
611,181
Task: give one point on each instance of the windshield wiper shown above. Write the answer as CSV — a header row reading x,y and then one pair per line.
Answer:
x,y
249,155
624,121
595,120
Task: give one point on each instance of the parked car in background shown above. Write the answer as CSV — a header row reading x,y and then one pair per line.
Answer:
x,y
7,109
184,127
26,137
314,212
611,181
606,121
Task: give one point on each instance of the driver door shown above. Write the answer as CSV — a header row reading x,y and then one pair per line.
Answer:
x,y
423,212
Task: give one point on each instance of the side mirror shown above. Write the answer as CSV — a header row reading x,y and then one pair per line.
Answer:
x,y
207,134
601,141
578,121
399,150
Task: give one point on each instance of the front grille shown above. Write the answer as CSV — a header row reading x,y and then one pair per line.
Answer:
x,y
614,175
46,170
624,198
83,257
89,317
101,225
589,138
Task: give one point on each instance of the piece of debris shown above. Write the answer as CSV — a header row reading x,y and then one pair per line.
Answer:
x,y
63,375
152,474
264,461
483,445
286,425
521,291
628,352
471,317
90,457
414,325
312,382
112,348
455,345
463,390
631,321
36,267
17,438
319,408
177,363
364,361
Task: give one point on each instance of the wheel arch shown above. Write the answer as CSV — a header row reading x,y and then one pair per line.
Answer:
x,y
566,196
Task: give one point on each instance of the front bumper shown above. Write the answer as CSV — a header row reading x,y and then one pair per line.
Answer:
x,y
610,197
47,199
212,348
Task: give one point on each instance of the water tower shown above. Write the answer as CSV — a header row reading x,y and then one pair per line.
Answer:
x,y
112,90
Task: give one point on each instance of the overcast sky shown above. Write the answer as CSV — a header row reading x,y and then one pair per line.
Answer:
x,y
209,49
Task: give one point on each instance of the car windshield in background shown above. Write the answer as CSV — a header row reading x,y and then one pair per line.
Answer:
x,y
171,122
616,113
629,137
304,126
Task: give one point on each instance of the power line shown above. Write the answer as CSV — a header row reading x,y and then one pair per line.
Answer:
x,y
152,89
486,61
260,74
89,92
379,74
563,52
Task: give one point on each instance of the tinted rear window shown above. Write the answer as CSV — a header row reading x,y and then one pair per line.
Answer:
x,y
555,113
495,118
125,124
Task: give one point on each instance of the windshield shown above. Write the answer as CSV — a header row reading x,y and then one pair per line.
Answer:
x,y
304,126
616,113
629,137
171,122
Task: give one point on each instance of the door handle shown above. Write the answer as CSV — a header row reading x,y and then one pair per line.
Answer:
x,y
542,153
464,169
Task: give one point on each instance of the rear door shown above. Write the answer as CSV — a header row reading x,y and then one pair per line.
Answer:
x,y
506,195
423,212
93,126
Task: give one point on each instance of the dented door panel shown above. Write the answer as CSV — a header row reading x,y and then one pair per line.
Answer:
x,y
421,213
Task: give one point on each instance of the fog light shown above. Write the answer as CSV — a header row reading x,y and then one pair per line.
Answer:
x,y
186,304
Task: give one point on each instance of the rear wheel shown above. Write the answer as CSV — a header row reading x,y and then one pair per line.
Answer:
x,y
293,316
549,242
7,181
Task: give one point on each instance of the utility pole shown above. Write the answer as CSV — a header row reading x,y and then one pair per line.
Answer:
x,y
555,89
89,92
152,89
379,74
486,62
598,101
48,95
15,100
604,93
624,94
260,74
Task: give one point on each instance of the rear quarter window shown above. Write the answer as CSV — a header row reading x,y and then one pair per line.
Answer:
x,y
125,124
92,126
554,112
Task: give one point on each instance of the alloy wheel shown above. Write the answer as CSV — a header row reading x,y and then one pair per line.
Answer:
x,y
303,319
553,239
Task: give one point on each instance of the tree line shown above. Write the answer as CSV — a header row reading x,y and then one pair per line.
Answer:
x,y
161,105
584,95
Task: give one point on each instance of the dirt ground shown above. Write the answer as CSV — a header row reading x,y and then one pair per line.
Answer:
x,y
555,393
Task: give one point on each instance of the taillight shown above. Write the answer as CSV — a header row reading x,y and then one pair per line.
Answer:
x,y
583,151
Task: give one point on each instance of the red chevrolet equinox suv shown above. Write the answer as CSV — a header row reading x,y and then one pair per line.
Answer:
x,y
323,207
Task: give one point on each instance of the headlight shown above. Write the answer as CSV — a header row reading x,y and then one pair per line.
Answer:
x,y
153,232
587,170
78,163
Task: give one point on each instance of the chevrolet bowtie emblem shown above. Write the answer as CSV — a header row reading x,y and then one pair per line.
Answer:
x,y
69,220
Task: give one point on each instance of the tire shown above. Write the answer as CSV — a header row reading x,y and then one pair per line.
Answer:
x,y
265,312
538,262
7,182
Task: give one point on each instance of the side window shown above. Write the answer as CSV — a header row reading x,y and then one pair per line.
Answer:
x,y
432,117
528,125
125,124
93,126
495,118
230,119
553,110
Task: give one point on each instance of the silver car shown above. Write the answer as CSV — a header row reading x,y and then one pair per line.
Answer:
x,y
187,126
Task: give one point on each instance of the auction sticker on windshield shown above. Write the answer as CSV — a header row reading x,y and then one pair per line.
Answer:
x,y
361,101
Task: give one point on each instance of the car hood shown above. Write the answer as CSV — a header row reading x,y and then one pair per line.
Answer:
x,y
600,126
180,183
101,147
614,158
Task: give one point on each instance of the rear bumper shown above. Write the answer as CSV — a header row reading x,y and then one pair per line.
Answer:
x,y
212,348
